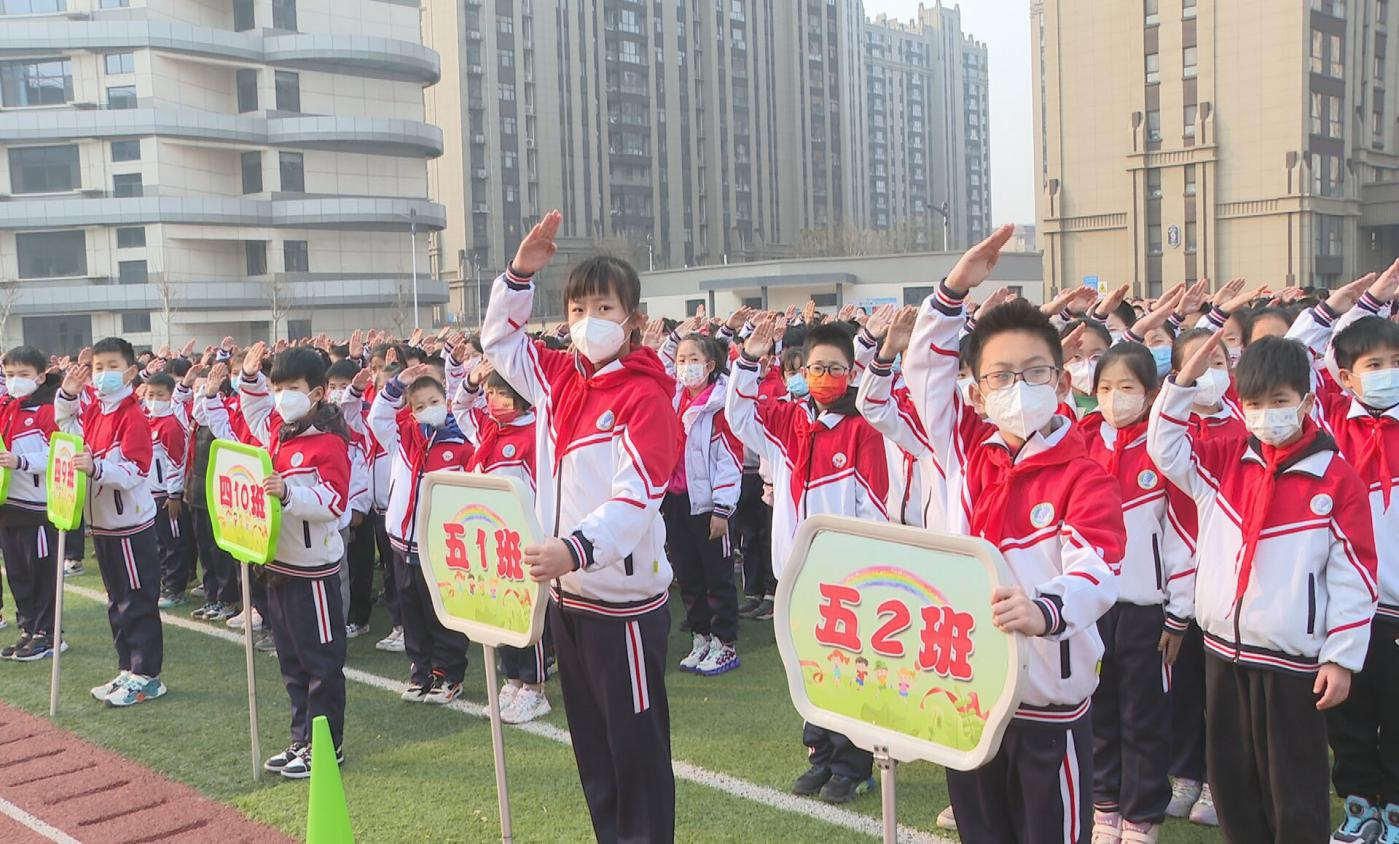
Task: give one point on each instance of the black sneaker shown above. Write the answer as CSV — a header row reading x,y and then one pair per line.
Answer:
x,y
10,650
281,760
764,611
750,603
40,646
839,789
811,782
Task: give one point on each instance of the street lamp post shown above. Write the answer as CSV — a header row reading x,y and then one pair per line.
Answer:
x,y
413,239
946,211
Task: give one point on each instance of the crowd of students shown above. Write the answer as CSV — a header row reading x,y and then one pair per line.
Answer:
x,y
1187,490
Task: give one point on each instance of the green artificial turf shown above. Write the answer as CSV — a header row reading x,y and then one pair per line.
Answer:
x,y
419,771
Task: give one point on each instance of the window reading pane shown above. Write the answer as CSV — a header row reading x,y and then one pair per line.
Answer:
x,y
131,238
252,172
131,272
288,90
1153,125
284,14
242,15
1153,183
121,63
1191,113
44,169
1153,240
1188,9
293,172
1190,57
52,254
295,256
36,83
1153,12
1153,68
114,4
1191,233
1190,180
31,7
256,252
126,150
136,323
246,81
127,184
121,96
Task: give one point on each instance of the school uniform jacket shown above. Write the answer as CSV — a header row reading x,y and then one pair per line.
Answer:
x,y
377,462
1312,591
822,464
507,449
917,483
606,444
712,455
115,431
25,427
1053,513
169,447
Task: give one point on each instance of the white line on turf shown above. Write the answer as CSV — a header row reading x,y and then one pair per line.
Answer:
x,y
731,785
34,824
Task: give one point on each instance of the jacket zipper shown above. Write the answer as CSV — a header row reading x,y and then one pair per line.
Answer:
x,y
1311,604
1064,670
1238,637
116,499
1156,557
306,532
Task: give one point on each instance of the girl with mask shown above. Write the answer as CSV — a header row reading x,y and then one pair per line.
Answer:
x,y
1142,632
1081,361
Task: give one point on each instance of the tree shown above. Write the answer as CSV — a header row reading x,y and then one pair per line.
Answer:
x,y
402,307
169,294
8,299
281,299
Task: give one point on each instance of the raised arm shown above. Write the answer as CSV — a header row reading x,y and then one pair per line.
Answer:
x,y
1194,467
255,396
745,417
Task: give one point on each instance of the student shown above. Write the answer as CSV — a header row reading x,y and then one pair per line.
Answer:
x,y
27,539
700,500
360,546
1094,341
311,476
222,590
422,438
1028,486
825,459
169,440
120,512
606,446
1285,589
1142,632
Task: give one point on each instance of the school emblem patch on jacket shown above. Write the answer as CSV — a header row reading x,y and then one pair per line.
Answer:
x,y
508,451
297,459
1147,479
1042,514
1321,505
606,421
838,460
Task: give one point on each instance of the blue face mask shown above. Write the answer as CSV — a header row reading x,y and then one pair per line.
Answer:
x,y
108,383
1162,356
796,385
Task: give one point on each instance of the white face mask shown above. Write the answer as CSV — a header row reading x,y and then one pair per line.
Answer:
x,y
1121,409
433,416
1022,409
691,374
597,339
21,387
1380,388
964,386
1081,374
157,408
1211,387
1274,425
292,405
336,396
1234,353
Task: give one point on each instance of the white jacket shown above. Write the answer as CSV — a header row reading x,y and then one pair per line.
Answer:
x,y
713,456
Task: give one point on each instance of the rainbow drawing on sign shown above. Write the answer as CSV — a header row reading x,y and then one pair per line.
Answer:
x,y
896,578
480,575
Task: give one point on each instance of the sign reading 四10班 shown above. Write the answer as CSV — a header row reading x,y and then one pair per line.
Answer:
x,y
245,519
886,635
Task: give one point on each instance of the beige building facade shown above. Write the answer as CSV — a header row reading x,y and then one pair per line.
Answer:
x,y
1179,139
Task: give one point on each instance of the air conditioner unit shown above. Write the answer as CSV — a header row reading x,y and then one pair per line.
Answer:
x,y
85,105
93,192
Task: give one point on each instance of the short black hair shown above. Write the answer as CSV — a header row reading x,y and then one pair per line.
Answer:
x,y
1137,358
108,345
1251,318
299,364
715,351
380,351
1272,362
793,358
1089,325
496,381
1126,312
162,380
601,275
344,369
1018,315
964,351
178,367
27,356
1360,338
340,352
831,334
423,382
1183,339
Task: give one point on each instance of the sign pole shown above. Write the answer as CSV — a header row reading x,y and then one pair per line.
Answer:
x,y
248,654
886,791
502,788
57,624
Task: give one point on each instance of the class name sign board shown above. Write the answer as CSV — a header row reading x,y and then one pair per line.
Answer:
x,y
886,635
245,519
64,485
471,530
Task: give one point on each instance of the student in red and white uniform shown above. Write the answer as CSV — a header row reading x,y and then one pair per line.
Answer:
x,y
1028,486
27,538
1286,587
825,459
605,447
1142,632
357,576
169,424
120,512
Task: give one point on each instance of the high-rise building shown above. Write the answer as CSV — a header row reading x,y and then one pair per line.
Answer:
x,y
681,134
1178,139
187,168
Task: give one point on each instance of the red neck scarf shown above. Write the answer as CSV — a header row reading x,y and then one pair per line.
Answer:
x,y
1125,437
1276,461
990,510
1374,450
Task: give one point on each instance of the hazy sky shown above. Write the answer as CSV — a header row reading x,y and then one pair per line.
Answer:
x,y
1004,25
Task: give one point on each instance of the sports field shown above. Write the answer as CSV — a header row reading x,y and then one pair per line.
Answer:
x,y
416,771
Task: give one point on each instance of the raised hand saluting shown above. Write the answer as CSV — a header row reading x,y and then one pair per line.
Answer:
x,y
538,247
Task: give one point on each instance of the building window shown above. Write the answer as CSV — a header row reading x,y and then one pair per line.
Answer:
x,y
255,252
118,63
243,19
44,169
121,96
1191,233
127,185
1153,239
1153,183
1381,10
1334,8
31,7
139,323
132,272
52,254
247,90
1153,126
1191,113
296,257
1379,59
692,306
292,165
1187,9
36,83
252,172
1328,236
1326,175
1377,125
131,238
1153,12
504,24
1190,180
1327,58
126,150
505,92
288,90
1153,68
298,328
1190,58
284,15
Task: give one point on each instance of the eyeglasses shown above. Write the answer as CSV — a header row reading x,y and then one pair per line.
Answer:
x,y
834,369
1034,376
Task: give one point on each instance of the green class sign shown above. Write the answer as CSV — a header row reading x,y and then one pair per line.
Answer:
x,y
245,520
64,485
886,635
4,475
471,532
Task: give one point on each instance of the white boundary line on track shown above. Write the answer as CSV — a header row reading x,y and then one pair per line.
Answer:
x,y
34,824
731,785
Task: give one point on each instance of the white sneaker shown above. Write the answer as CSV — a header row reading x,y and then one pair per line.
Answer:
x,y
528,705
392,642
721,658
946,820
101,692
696,654
1107,827
236,622
508,693
1203,812
1184,793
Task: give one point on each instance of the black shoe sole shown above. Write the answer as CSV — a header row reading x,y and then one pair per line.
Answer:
x,y
838,800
